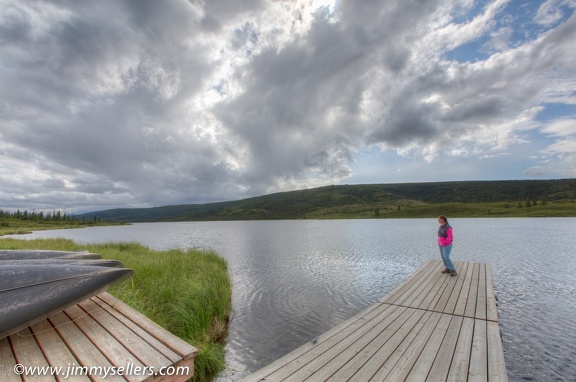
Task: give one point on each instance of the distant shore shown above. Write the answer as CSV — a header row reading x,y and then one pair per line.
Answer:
x,y
397,210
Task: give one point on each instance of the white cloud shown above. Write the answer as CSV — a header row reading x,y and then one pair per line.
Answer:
x,y
551,11
561,128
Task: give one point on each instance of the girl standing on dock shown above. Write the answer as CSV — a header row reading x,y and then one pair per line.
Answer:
x,y
445,244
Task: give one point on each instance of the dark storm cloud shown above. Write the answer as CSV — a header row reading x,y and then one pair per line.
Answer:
x,y
284,112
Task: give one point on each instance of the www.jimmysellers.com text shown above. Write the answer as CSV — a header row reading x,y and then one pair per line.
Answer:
x,y
102,371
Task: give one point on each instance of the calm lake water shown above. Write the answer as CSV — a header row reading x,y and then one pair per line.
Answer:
x,y
294,280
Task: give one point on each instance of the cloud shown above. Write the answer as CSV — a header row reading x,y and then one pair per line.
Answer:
x,y
143,103
551,12
561,153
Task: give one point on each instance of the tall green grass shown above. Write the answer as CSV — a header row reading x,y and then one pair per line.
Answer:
x,y
186,292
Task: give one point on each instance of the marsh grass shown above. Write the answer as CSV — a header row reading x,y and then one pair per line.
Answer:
x,y
186,292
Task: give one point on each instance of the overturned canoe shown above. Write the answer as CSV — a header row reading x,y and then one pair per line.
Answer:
x,y
64,261
29,254
30,293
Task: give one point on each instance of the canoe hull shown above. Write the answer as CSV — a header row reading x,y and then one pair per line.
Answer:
x,y
30,293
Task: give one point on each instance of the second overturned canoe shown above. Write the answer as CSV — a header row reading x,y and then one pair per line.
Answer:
x,y
30,254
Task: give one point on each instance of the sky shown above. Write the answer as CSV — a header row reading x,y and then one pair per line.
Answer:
x,y
141,103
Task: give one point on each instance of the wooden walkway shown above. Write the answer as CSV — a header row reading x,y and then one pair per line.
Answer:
x,y
433,327
99,336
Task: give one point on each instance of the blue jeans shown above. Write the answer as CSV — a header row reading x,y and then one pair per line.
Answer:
x,y
445,253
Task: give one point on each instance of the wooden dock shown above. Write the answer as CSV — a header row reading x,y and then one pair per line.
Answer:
x,y
100,339
433,327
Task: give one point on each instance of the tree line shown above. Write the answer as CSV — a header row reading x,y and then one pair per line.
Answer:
x,y
55,216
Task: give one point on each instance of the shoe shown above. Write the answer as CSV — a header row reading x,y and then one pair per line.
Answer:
x,y
446,270
453,273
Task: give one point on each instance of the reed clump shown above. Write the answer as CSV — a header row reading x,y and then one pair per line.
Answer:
x,y
187,292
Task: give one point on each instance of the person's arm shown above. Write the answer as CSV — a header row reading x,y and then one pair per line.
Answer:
x,y
449,238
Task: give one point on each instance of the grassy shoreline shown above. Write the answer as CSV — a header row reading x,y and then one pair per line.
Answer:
x,y
411,209
186,292
15,226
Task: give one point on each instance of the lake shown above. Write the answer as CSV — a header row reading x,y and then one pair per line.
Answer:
x,y
294,280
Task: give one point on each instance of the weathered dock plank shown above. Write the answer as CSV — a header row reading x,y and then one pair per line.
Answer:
x,y
432,327
7,361
99,339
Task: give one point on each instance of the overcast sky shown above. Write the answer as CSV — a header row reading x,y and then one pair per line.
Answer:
x,y
118,103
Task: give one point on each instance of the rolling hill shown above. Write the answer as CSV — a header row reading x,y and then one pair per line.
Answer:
x,y
463,198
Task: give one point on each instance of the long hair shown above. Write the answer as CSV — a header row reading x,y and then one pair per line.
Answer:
x,y
443,218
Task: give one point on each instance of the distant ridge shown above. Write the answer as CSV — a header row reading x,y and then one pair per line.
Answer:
x,y
357,201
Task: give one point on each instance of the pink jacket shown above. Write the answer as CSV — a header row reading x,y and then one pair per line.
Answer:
x,y
444,241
